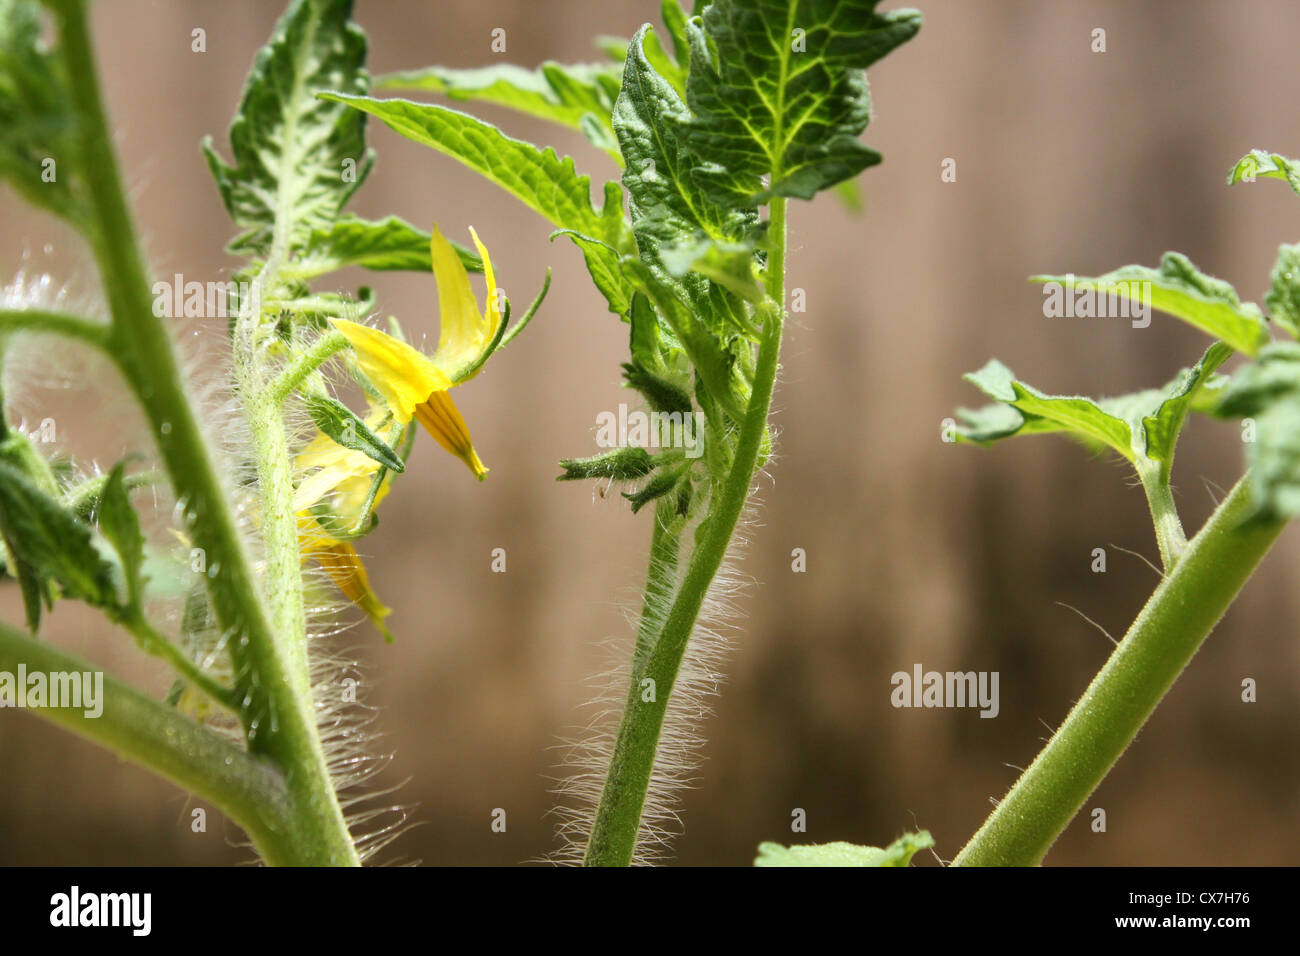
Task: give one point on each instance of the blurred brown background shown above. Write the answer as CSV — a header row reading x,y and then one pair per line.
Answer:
x,y
918,551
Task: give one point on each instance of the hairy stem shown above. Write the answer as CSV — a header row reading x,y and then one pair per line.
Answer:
x,y
1171,627
248,789
277,709
155,642
1170,537
618,815
296,372
54,323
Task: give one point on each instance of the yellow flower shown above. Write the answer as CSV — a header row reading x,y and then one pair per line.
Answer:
x,y
415,385
344,477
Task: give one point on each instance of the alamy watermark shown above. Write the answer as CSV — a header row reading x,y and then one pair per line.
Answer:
x,y
922,688
133,911
78,690
1126,299
179,299
638,429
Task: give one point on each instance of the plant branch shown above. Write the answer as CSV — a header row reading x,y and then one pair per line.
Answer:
x,y
278,715
54,323
248,789
296,372
618,815
1182,611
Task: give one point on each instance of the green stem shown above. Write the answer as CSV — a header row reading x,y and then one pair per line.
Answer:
x,y
278,711
1189,601
155,642
248,789
54,323
296,372
1170,537
618,815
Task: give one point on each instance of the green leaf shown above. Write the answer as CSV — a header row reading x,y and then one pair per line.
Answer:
x,y
387,245
1283,300
667,208
347,429
38,151
1259,163
1162,412
560,93
121,526
621,464
1268,393
674,18
297,159
714,358
1177,288
539,178
1143,426
898,853
1037,413
777,90
45,536
728,264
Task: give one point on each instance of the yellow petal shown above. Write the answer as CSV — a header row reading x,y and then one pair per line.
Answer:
x,y
342,563
402,374
443,421
464,332
491,314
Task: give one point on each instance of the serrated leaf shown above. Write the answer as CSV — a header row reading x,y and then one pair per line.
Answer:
x,y
667,209
387,245
1076,415
41,533
37,149
1283,299
728,264
674,18
297,159
1259,163
560,93
346,428
539,178
1182,291
898,853
777,90
1142,426
120,524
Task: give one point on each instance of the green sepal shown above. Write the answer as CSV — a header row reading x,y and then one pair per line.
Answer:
x,y
347,428
621,464
662,482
